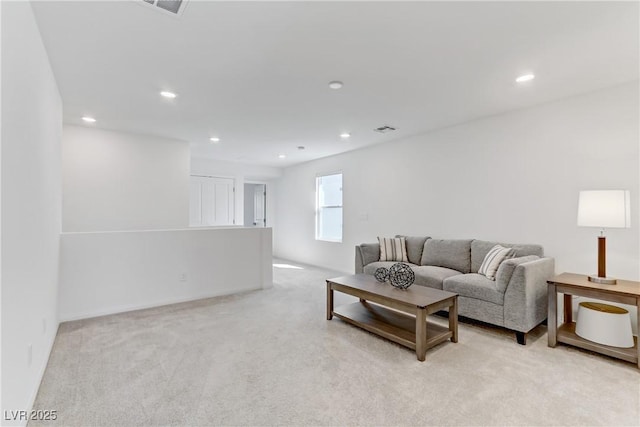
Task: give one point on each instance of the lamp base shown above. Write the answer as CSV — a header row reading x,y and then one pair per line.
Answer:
x,y
602,280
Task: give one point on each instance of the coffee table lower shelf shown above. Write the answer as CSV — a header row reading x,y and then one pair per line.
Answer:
x,y
392,325
567,334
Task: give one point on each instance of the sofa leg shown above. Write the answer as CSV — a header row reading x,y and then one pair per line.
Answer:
x,y
521,337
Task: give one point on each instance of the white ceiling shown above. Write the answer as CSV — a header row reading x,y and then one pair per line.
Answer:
x,y
256,73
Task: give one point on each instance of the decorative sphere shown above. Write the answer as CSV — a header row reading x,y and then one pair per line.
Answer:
x,y
381,274
401,275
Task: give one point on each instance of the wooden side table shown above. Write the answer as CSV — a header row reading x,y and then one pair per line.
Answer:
x,y
625,292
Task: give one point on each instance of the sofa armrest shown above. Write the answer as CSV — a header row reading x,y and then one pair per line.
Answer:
x,y
506,269
366,253
525,299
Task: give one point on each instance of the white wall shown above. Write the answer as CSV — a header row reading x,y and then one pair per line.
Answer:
x,y
513,178
111,272
31,192
241,173
1,119
249,208
123,181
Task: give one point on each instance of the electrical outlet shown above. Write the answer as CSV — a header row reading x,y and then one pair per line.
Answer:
x,y
29,354
183,277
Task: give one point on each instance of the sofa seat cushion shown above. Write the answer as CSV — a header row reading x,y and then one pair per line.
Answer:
x,y
371,268
432,276
474,285
429,275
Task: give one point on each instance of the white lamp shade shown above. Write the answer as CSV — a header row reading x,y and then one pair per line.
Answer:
x,y
604,209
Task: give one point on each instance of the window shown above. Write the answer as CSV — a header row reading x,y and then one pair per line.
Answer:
x,y
329,208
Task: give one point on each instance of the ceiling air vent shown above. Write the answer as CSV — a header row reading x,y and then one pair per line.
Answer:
x,y
384,129
174,7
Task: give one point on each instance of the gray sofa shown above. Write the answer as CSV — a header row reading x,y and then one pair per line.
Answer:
x,y
516,300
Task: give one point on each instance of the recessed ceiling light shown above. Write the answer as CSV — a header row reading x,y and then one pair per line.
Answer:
x,y
345,135
525,78
214,139
88,119
335,84
168,94
281,156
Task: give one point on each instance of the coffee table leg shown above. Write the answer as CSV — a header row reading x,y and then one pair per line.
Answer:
x,y
329,302
453,320
421,333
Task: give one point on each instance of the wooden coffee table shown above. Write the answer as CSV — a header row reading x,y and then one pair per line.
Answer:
x,y
412,329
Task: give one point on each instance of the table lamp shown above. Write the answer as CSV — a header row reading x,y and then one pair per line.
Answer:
x,y
604,209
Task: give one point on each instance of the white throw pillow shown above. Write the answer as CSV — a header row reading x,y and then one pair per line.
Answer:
x,y
393,249
493,259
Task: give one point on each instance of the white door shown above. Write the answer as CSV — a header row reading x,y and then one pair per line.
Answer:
x,y
259,198
212,201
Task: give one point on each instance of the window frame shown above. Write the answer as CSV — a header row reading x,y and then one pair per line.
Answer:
x,y
318,208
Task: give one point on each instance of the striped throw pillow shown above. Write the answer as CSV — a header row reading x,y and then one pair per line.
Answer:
x,y
493,259
393,249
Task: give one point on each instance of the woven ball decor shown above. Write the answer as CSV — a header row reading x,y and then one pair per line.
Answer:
x,y
381,274
401,275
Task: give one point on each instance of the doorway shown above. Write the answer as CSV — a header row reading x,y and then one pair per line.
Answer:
x,y
211,201
255,205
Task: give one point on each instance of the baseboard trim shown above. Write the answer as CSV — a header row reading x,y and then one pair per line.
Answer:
x,y
42,370
159,303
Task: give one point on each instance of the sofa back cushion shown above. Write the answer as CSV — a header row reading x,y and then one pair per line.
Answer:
x,y
370,252
415,245
480,248
454,254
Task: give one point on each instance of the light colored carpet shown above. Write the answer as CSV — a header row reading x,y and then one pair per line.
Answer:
x,y
271,358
